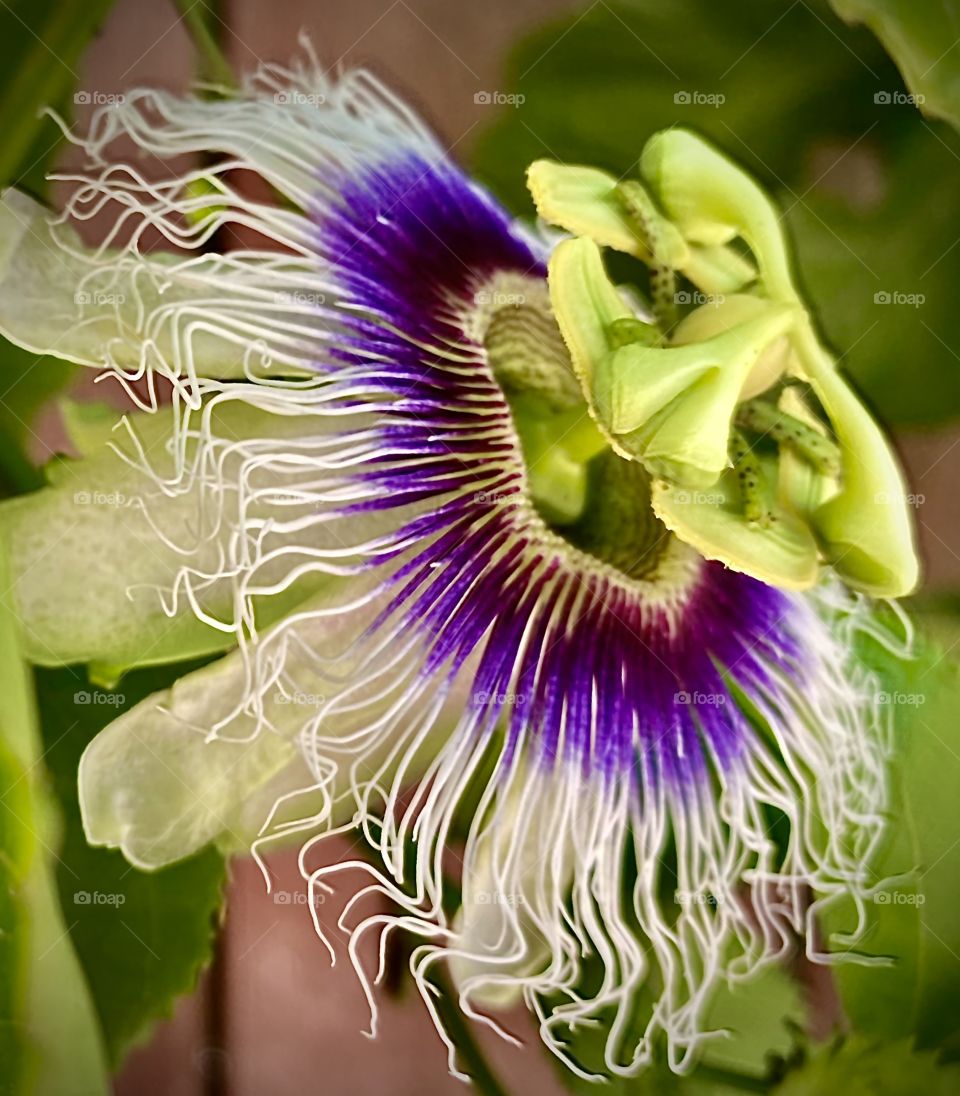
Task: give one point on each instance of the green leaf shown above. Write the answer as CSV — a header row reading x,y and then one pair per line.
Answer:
x,y
28,382
142,938
42,41
869,188
858,1068
921,38
914,918
761,1018
49,1043
40,45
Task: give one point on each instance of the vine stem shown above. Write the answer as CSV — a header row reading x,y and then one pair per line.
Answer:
x,y
195,15
458,1028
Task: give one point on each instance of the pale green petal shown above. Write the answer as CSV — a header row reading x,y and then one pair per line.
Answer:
x,y
194,764
88,565
60,298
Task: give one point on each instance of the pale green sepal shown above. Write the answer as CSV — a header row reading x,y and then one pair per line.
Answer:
x,y
61,298
89,568
153,785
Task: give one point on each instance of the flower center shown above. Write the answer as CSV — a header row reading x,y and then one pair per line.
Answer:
x,y
596,500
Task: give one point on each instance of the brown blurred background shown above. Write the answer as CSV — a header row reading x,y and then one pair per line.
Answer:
x,y
273,1016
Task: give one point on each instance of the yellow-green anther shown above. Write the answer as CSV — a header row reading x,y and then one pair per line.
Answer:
x,y
530,361
588,202
672,407
584,201
629,330
669,407
750,481
769,421
586,305
712,201
725,313
780,551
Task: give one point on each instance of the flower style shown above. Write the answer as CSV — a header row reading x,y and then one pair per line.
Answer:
x,y
417,475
